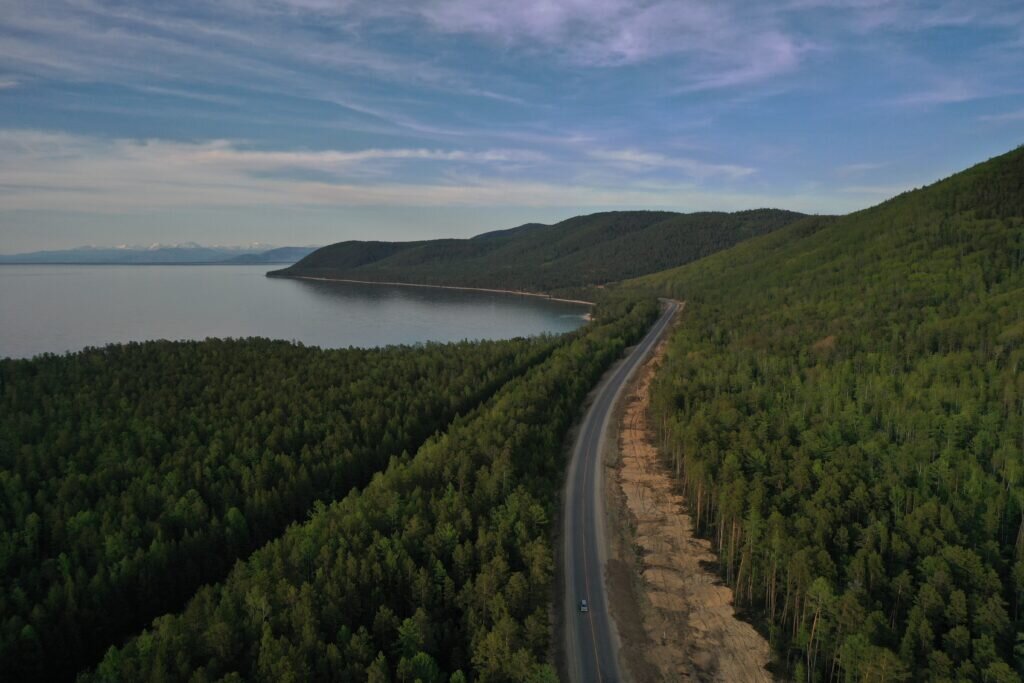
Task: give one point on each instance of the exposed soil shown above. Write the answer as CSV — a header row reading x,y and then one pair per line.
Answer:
x,y
675,617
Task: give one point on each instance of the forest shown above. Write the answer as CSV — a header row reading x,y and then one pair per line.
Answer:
x,y
133,474
843,404
440,569
569,258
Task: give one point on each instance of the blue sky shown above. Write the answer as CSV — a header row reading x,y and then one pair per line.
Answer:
x,y
313,121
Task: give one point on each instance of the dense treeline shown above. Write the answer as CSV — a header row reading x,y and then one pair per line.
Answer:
x,y
439,570
133,474
566,258
844,405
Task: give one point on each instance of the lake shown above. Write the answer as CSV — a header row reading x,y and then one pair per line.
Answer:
x,y
66,308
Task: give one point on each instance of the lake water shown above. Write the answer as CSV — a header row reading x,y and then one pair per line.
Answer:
x,y
66,308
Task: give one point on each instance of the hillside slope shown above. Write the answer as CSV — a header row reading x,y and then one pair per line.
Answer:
x,y
278,255
844,405
561,258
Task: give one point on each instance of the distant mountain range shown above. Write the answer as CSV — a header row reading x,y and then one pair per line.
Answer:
x,y
566,258
157,254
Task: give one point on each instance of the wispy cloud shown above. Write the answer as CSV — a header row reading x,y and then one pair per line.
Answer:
x,y
41,159
98,41
8,83
723,44
770,55
182,93
950,91
858,169
601,33
637,160
923,15
1004,117
64,172
700,45
226,154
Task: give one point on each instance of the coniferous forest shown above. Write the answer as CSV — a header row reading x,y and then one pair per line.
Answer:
x,y
843,403
133,474
440,569
567,259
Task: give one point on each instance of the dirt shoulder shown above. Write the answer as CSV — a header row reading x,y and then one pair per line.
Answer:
x,y
675,618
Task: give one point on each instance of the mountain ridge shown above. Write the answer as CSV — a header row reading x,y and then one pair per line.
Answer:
x,y
565,258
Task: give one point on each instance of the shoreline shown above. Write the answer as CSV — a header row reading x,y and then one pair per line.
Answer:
x,y
468,289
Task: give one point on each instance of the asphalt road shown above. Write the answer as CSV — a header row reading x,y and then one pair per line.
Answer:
x,y
591,645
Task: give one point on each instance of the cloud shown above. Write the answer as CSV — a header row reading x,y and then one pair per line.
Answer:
x,y
382,61
924,15
598,32
858,169
46,171
225,154
8,83
1004,117
57,161
723,44
181,93
944,92
632,159
719,44
274,51
770,55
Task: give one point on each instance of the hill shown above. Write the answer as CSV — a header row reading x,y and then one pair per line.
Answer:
x,y
844,405
563,258
278,255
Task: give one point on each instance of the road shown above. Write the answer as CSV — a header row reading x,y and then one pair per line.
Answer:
x,y
591,645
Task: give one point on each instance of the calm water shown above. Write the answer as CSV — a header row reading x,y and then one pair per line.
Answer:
x,y
66,308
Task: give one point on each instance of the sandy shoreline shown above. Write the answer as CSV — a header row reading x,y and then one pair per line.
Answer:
x,y
468,289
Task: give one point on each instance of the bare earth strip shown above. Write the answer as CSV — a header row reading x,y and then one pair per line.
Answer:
x,y
677,621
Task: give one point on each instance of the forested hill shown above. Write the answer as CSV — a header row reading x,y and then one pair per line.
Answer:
x,y
844,403
563,258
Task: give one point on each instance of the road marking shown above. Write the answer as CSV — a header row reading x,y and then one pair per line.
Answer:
x,y
586,567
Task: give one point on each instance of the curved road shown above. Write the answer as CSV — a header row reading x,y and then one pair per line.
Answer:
x,y
591,645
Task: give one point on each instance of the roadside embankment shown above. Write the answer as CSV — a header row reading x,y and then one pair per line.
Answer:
x,y
675,616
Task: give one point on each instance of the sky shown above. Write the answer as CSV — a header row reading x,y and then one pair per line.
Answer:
x,y
313,121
